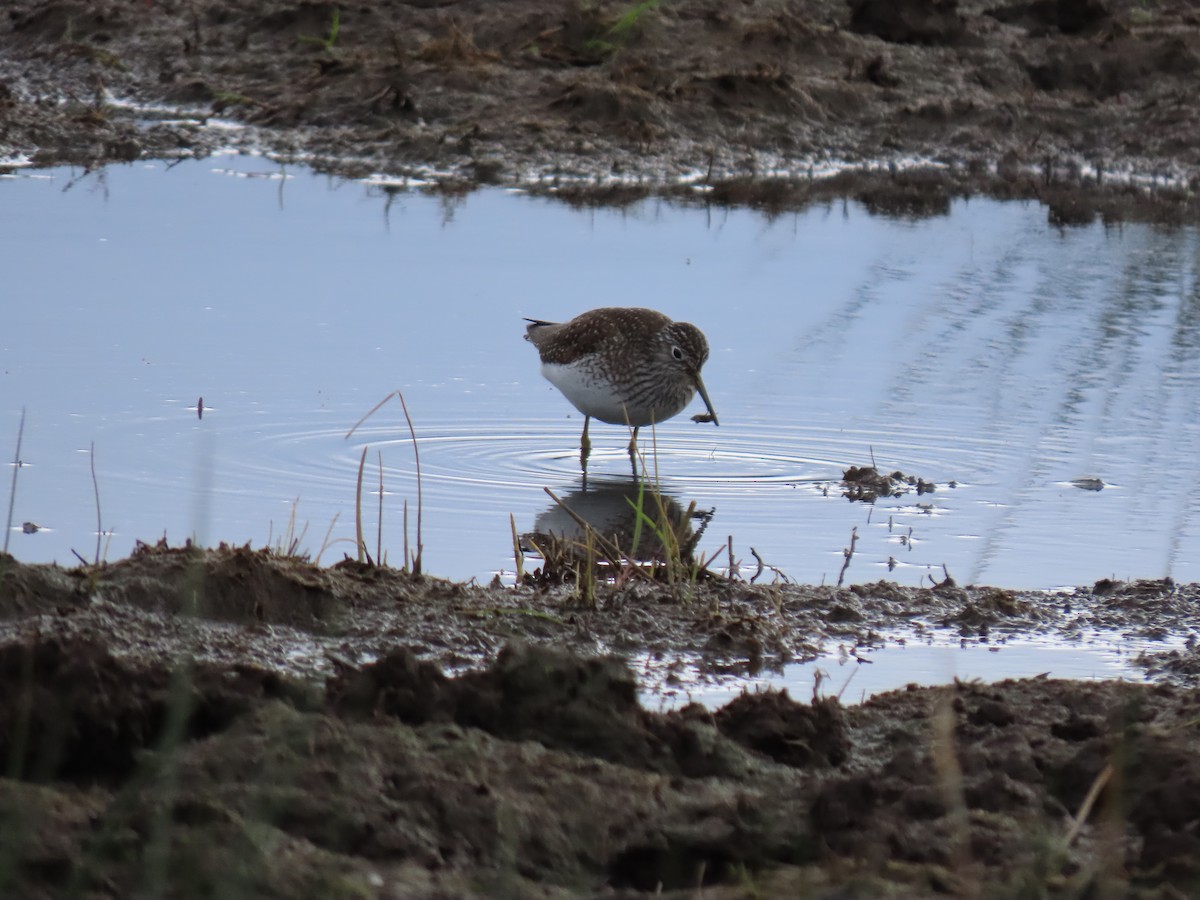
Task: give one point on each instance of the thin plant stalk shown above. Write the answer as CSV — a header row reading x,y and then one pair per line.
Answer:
x,y
1085,808
379,528
358,528
848,554
96,490
417,457
416,557
518,556
325,543
12,494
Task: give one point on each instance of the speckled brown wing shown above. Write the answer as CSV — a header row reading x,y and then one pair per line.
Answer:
x,y
589,332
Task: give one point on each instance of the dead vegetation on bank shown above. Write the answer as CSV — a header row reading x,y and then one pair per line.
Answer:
x,y
1084,106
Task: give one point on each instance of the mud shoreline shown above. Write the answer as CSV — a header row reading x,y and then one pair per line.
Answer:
x,y
1081,104
192,722
232,722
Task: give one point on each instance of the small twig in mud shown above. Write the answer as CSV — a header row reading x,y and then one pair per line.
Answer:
x,y
96,490
948,583
518,556
733,566
774,570
849,554
12,494
872,449
761,565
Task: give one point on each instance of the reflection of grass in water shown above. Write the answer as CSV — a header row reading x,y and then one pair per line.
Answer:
x,y
661,546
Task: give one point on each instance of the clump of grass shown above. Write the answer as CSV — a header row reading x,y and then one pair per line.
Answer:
x,y
627,26
413,559
289,542
327,42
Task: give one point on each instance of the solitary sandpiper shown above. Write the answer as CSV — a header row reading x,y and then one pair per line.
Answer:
x,y
624,366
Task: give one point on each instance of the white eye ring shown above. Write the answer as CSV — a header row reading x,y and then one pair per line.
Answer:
x,y
677,353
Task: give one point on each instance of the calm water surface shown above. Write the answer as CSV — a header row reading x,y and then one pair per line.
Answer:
x,y
984,348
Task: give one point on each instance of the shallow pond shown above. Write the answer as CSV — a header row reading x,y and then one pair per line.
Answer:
x,y
1025,364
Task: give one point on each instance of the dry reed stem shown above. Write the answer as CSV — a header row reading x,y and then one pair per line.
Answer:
x,y
518,556
12,494
848,554
96,489
420,505
379,527
358,526
325,542
416,557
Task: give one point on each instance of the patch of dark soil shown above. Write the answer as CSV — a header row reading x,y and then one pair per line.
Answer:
x,y
69,21
909,21
234,584
1068,16
795,734
24,589
70,710
1116,67
530,693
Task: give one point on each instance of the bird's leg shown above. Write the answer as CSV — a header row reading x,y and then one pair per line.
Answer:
x,y
633,450
585,446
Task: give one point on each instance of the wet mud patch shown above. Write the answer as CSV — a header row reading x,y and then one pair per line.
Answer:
x,y
540,775
998,94
70,710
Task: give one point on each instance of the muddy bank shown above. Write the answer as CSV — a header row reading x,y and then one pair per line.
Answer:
x,y
235,604
186,723
1060,100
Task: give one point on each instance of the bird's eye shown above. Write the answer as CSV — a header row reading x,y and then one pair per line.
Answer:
x,y
677,353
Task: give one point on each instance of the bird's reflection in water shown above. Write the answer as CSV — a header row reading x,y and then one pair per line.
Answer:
x,y
614,522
